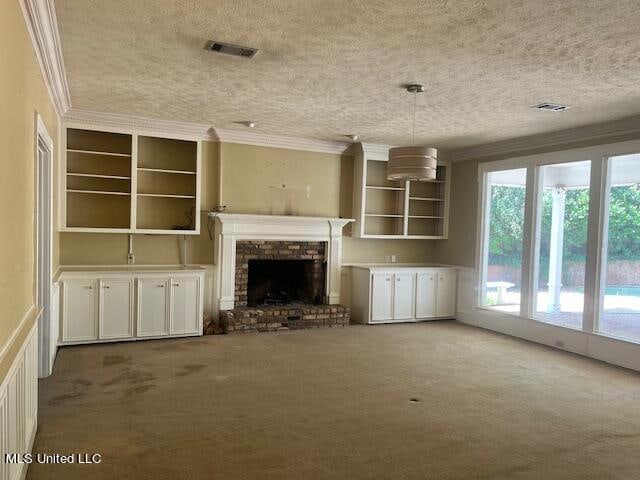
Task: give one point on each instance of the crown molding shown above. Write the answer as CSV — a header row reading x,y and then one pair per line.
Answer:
x,y
596,132
198,131
194,131
40,17
280,141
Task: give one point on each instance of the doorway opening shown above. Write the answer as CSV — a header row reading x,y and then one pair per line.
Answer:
x,y
47,327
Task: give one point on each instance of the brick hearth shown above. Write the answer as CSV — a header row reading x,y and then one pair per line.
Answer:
x,y
291,317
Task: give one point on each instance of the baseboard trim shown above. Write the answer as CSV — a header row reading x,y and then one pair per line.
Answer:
x,y
591,345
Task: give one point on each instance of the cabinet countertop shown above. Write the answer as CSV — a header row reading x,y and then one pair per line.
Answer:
x,y
394,266
126,269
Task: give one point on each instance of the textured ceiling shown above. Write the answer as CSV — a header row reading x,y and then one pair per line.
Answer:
x,y
328,68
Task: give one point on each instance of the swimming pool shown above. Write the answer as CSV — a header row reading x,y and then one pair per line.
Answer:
x,y
617,290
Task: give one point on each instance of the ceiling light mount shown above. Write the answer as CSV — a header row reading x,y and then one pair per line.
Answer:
x,y
412,163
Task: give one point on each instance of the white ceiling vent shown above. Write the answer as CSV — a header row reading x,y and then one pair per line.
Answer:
x,y
230,49
551,107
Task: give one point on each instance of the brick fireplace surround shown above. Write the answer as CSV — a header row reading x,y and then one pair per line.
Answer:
x,y
274,250
243,319
243,237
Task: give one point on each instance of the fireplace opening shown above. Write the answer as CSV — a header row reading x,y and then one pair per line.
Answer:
x,y
282,282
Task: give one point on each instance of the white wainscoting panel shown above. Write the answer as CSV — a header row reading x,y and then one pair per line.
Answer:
x,y
19,407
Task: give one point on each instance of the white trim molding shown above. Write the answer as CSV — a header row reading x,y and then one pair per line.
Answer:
x,y
88,118
280,141
200,131
232,227
603,132
40,16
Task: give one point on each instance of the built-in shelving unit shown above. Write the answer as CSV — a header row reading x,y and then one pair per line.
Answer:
x,y
386,209
126,182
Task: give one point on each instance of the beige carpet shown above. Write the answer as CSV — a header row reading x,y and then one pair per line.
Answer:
x,y
336,404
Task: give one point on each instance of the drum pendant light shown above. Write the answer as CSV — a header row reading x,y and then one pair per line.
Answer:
x,y
412,163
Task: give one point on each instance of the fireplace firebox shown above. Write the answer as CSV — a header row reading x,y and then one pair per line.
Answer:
x,y
283,282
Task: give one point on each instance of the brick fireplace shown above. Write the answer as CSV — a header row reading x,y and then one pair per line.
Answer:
x,y
279,272
276,255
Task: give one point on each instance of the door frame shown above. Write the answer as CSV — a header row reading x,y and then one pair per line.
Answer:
x,y
44,245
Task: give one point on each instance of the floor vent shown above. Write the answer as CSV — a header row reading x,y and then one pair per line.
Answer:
x,y
551,107
230,49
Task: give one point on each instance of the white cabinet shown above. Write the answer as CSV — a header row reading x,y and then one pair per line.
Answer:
x,y
402,294
381,297
152,307
184,311
446,293
130,305
80,311
116,308
426,294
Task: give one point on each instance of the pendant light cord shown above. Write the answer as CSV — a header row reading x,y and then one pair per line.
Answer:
x,y
413,139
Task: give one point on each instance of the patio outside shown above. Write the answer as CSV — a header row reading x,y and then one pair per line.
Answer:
x,y
562,246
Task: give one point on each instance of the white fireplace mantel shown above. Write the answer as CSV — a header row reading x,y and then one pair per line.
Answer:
x,y
231,227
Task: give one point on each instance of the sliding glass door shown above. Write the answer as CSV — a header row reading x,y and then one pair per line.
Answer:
x,y
620,292
561,246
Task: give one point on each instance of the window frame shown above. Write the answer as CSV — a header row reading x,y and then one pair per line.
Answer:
x,y
600,157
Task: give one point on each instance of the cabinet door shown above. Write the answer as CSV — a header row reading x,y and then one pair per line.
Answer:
x,y
446,293
403,296
116,308
185,293
152,306
80,311
381,297
426,295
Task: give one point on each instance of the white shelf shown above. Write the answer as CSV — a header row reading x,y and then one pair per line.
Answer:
x,y
382,215
163,170
94,152
93,175
424,216
164,195
98,192
425,199
373,187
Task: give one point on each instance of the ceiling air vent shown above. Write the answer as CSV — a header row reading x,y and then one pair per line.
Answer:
x,y
551,107
230,49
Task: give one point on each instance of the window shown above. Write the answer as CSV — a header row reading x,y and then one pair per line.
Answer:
x,y
561,249
503,239
620,295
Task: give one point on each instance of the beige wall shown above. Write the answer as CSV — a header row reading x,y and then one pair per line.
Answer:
x,y
22,93
315,184
460,248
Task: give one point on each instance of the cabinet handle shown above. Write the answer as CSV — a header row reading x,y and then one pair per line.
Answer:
x,y
398,279
431,279
176,284
388,279
161,285
90,287
106,286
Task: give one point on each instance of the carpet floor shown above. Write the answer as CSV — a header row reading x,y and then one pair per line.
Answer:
x,y
435,400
